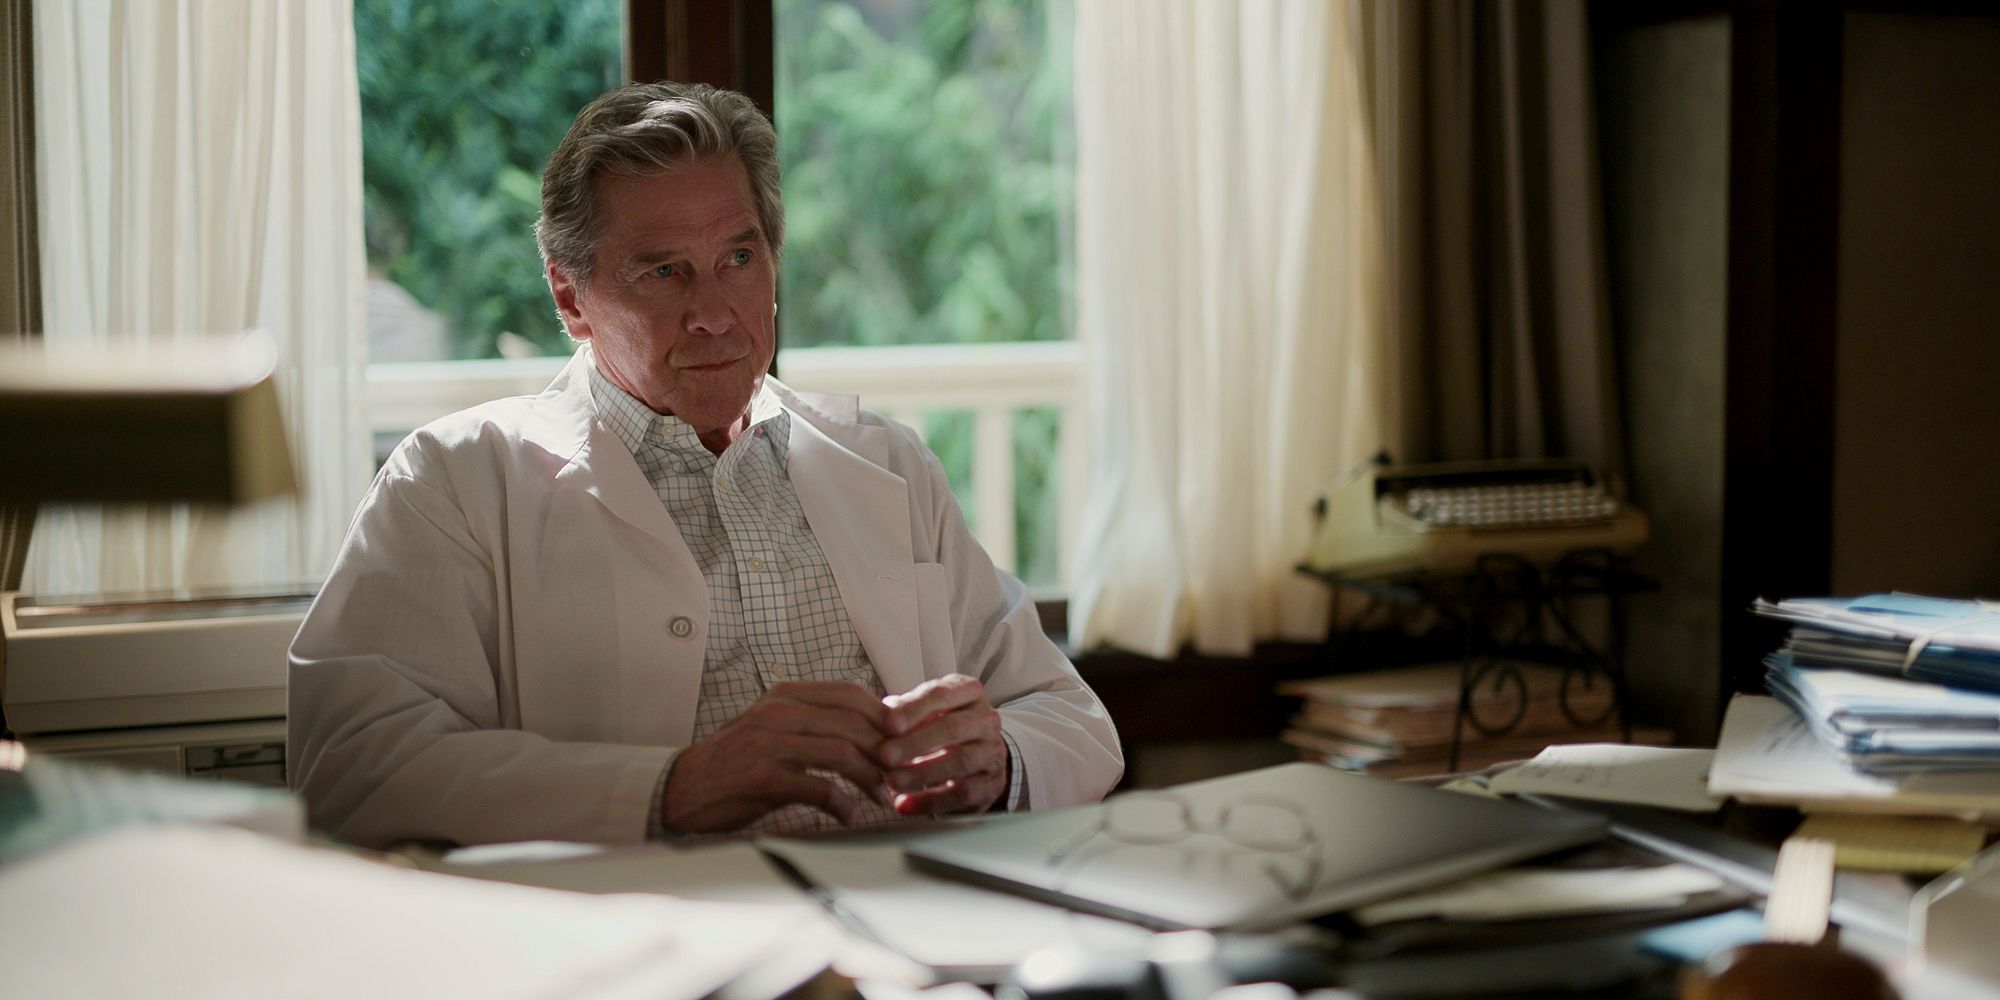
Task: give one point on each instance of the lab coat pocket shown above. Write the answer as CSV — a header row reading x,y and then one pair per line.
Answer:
x,y
940,647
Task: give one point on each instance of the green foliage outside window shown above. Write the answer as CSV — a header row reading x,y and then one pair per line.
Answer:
x,y
461,103
926,177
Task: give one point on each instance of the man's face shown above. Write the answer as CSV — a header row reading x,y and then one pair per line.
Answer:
x,y
680,309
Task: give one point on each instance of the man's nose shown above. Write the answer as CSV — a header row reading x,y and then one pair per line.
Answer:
x,y
707,307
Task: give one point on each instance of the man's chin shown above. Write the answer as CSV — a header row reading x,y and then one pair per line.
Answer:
x,y
716,410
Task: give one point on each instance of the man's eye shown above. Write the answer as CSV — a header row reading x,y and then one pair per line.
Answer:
x,y
663,271
740,257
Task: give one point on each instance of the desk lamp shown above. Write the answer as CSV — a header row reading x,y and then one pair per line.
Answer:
x,y
191,419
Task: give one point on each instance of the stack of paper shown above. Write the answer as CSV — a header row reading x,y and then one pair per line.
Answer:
x,y
1944,641
1893,683
1766,753
1887,724
1399,723
203,911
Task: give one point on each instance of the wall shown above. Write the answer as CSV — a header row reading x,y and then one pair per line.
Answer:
x,y
1663,93
1916,502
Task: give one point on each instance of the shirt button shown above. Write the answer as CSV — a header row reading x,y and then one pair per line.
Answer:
x,y
756,565
681,627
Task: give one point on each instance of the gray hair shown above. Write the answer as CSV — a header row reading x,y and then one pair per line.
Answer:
x,y
640,129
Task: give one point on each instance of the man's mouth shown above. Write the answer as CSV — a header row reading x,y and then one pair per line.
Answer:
x,y
715,366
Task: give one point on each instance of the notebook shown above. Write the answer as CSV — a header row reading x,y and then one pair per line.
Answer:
x,y
1249,851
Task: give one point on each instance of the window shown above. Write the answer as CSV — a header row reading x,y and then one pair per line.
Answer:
x,y
927,179
461,102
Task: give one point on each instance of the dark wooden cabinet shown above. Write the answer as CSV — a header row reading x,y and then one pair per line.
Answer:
x,y
1799,210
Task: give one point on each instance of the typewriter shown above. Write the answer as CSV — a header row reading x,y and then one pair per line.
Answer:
x,y
1389,520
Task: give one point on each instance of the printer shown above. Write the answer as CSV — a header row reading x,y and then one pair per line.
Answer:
x,y
188,685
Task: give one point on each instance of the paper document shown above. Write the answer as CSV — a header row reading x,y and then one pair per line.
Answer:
x,y
1522,893
1669,777
947,925
731,872
1911,844
1972,625
1884,724
192,911
1767,754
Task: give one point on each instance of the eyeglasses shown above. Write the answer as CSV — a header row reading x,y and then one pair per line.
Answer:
x,y
1270,833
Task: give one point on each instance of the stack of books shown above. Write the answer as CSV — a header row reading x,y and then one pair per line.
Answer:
x,y
1893,683
1399,723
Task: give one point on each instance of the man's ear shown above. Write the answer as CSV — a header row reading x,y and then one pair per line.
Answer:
x,y
566,293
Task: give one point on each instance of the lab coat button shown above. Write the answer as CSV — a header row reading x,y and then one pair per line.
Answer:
x,y
756,565
681,627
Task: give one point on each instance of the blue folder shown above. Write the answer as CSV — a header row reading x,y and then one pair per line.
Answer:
x,y
1957,642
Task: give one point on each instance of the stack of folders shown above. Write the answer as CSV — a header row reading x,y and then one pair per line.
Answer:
x,y
1399,723
1893,683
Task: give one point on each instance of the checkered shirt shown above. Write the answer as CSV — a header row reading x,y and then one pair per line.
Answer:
x,y
775,613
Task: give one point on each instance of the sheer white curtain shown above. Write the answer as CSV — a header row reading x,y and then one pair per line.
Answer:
x,y
200,167
1228,258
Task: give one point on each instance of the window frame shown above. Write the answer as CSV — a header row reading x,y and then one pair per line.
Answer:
x,y
723,43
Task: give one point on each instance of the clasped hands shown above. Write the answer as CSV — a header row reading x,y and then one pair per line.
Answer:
x,y
934,750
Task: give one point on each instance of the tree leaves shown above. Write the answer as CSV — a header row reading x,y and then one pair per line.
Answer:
x,y
461,103
920,147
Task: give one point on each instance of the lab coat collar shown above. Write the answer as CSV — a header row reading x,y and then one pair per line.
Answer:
x,y
860,515
564,424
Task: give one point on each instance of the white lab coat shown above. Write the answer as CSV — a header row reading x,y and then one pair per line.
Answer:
x,y
512,635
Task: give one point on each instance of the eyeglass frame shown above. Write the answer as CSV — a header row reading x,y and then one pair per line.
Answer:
x,y
1063,849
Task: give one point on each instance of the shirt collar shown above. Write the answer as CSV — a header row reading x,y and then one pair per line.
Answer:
x,y
641,430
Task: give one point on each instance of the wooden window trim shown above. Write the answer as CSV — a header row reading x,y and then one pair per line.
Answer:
x,y
723,43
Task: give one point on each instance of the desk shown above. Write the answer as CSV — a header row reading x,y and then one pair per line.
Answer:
x,y
179,892
1598,956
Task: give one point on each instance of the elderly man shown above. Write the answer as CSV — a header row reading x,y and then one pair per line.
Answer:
x,y
669,595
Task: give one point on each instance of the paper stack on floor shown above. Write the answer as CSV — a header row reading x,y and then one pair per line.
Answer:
x,y
1398,723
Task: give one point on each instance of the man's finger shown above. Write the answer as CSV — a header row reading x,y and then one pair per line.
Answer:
x,y
699,801
971,725
953,691
786,717
960,761
827,694
828,754
968,794
826,796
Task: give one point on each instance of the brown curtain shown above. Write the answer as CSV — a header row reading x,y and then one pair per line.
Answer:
x,y
1485,131
20,272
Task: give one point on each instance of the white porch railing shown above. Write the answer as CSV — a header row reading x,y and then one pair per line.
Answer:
x,y
991,381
